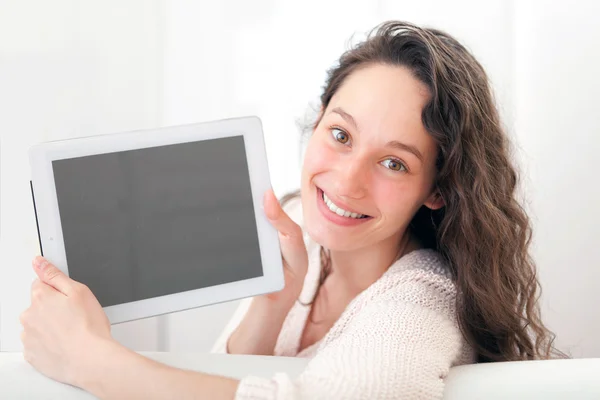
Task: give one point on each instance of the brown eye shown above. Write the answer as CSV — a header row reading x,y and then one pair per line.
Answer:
x,y
394,165
340,135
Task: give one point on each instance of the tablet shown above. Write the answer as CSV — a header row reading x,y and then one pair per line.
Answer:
x,y
159,221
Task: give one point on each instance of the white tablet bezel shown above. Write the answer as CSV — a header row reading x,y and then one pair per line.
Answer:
x,y
50,230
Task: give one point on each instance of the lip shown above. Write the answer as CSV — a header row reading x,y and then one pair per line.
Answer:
x,y
333,217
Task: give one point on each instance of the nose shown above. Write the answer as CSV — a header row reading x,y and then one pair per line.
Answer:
x,y
353,179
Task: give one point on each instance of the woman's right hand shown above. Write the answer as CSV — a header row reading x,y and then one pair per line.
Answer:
x,y
293,252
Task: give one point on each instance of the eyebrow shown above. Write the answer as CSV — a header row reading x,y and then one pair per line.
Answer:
x,y
406,147
347,117
393,144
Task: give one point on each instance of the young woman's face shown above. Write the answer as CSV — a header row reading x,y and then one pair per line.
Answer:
x,y
370,163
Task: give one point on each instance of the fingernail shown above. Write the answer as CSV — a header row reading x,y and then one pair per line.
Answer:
x,y
38,262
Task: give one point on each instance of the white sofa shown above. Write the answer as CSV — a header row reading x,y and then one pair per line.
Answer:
x,y
573,379
531,380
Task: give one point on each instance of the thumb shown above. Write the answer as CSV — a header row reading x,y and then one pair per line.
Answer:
x,y
291,238
51,275
279,219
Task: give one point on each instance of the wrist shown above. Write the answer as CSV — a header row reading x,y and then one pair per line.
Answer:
x,y
274,305
257,333
92,365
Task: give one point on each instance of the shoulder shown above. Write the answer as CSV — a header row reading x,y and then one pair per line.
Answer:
x,y
417,290
420,278
412,304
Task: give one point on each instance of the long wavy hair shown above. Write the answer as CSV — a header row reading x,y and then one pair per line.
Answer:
x,y
482,231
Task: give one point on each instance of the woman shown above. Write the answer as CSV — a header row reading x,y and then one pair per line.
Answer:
x,y
406,254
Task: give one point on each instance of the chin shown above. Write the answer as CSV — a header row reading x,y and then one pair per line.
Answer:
x,y
334,235
328,237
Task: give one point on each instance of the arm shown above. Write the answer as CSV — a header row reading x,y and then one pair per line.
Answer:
x,y
112,371
258,331
253,328
66,337
390,349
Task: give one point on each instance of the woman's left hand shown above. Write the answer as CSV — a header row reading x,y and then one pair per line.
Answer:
x,y
63,325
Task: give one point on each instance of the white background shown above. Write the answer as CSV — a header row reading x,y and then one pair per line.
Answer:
x,y
71,68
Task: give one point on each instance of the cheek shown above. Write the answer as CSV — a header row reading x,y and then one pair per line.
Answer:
x,y
396,200
388,196
318,158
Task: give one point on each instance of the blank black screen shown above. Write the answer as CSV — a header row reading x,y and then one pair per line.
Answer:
x,y
150,222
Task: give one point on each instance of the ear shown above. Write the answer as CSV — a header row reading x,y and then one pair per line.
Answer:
x,y
434,201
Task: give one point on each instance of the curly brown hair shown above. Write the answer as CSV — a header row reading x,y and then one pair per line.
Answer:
x,y
482,231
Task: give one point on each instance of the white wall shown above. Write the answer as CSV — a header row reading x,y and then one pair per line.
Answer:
x,y
67,69
557,87
184,61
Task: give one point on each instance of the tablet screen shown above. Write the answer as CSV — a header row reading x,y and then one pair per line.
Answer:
x,y
156,221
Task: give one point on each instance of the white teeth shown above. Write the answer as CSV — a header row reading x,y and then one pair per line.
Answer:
x,y
340,211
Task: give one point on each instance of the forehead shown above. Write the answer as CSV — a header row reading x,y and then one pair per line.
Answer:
x,y
383,98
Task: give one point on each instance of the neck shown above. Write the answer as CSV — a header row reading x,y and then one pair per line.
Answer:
x,y
357,270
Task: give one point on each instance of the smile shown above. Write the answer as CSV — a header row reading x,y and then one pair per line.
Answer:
x,y
338,215
340,211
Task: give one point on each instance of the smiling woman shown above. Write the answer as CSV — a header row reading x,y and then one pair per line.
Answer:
x,y
372,155
407,196
405,253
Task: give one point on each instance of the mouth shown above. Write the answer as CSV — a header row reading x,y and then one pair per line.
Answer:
x,y
337,214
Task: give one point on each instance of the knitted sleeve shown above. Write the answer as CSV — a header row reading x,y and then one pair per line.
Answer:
x,y
392,348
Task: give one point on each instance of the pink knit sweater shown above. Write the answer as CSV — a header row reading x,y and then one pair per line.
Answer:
x,y
396,339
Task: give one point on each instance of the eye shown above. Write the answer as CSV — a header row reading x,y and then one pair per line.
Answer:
x,y
340,135
394,165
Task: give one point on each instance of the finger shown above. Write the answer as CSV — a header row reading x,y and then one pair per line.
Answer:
x,y
291,239
24,318
278,218
36,282
51,275
36,290
27,355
